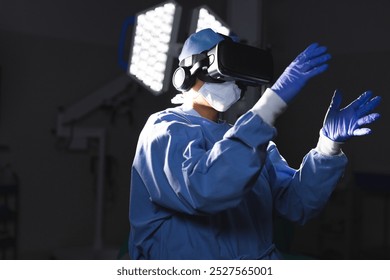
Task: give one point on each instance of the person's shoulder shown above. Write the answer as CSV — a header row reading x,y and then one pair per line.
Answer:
x,y
168,115
171,121
169,125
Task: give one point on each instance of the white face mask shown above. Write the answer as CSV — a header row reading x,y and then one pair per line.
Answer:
x,y
220,96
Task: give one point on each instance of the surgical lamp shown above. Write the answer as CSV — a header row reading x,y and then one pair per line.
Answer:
x,y
151,58
203,17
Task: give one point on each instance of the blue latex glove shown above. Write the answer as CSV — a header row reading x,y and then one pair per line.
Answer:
x,y
311,62
340,125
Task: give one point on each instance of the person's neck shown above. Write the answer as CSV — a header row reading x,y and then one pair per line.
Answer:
x,y
200,104
206,111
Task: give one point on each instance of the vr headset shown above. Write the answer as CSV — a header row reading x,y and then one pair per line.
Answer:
x,y
227,61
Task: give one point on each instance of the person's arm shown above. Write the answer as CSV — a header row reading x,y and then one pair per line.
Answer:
x,y
308,64
301,194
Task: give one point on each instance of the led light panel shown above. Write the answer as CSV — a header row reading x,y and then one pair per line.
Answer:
x,y
155,31
203,18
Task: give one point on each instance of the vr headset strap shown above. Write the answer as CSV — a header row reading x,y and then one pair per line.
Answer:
x,y
196,63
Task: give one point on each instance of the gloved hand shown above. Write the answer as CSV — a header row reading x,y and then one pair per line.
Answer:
x,y
311,62
340,125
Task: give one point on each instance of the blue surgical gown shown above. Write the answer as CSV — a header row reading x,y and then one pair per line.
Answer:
x,y
208,190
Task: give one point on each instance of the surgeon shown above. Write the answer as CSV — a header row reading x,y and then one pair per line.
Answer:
x,y
204,189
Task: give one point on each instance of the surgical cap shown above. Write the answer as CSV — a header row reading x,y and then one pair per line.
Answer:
x,y
200,41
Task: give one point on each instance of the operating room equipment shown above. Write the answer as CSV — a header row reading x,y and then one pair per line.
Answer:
x,y
78,139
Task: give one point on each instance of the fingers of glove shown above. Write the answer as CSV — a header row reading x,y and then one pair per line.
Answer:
x,y
315,62
362,99
319,50
310,52
361,131
369,106
310,48
336,100
303,55
314,50
368,119
316,71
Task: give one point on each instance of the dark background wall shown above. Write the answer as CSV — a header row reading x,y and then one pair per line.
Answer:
x,y
52,54
355,222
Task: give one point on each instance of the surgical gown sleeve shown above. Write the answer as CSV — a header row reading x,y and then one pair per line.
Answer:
x,y
183,170
301,194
